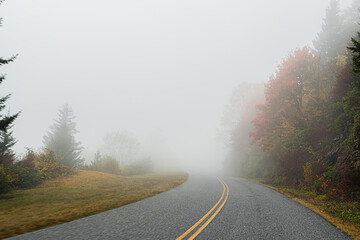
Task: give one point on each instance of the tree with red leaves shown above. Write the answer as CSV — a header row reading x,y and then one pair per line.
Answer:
x,y
343,83
282,125
289,93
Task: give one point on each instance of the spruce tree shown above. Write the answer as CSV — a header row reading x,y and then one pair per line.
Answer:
x,y
351,20
61,138
329,40
6,120
7,141
355,49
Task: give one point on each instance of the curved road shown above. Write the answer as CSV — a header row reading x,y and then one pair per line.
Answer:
x,y
205,207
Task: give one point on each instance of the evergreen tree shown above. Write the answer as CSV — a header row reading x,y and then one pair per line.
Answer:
x,y
6,139
351,20
328,42
61,138
356,53
97,158
352,110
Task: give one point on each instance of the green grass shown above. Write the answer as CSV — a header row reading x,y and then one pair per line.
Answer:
x,y
69,198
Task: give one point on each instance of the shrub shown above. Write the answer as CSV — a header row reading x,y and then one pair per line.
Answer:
x,y
4,182
22,177
28,160
139,167
111,165
31,170
6,160
49,165
308,174
104,164
329,183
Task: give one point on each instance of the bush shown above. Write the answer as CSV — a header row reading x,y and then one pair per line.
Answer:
x,y
4,182
110,165
308,174
31,170
49,166
22,177
104,164
6,160
28,160
330,183
137,168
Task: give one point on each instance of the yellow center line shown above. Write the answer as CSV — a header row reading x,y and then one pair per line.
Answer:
x,y
207,214
213,216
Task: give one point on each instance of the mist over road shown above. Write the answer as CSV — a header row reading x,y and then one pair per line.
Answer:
x,y
213,208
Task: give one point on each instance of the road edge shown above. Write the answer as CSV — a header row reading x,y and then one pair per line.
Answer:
x,y
349,229
38,227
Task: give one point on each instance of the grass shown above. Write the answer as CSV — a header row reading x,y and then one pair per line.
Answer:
x,y
342,214
69,198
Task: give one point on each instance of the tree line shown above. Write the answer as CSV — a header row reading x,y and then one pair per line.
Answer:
x,y
306,128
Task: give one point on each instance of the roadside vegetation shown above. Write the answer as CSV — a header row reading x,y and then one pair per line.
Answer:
x,y
342,214
304,124
61,154
79,195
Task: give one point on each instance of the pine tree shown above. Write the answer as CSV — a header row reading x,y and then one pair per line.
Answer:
x,y
6,120
352,108
355,49
97,158
61,138
351,20
7,141
328,42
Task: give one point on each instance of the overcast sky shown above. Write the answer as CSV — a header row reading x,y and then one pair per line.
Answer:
x,y
148,66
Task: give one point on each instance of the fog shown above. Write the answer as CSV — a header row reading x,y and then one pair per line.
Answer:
x,y
162,70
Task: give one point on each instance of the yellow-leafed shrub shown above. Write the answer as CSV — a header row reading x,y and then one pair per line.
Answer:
x,y
49,165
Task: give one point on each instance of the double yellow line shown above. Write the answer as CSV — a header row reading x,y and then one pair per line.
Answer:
x,y
225,189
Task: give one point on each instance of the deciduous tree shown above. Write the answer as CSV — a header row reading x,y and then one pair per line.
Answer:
x,y
123,146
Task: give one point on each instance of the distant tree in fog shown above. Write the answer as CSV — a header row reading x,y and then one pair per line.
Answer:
x,y
240,110
97,158
6,120
236,125
351,20
61,138
121,145
329,39
104,164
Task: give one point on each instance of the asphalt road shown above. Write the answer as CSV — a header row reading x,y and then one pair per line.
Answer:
x,y
240,210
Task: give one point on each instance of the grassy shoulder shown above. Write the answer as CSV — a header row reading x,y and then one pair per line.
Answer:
x,y
343,215
69,198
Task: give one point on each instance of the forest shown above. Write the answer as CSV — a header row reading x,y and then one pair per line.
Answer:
x,y
301,128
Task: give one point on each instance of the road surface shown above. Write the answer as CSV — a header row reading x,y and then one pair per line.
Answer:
x,y
204,207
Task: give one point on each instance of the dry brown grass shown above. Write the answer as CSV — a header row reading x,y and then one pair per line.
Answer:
x,y
69,198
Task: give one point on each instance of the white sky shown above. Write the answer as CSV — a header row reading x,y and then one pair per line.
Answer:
x,y
147,66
